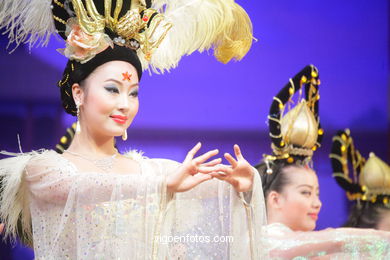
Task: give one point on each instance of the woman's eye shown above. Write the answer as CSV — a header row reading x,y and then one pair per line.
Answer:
x,y
306,193
112,89
134,93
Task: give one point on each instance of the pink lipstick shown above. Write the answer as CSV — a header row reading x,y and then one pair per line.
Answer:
x,y
314,216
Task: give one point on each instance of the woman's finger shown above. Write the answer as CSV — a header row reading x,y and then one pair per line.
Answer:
x,y
213,162
200,177
237,152
193,151
231,160
205,169
220,168
219,175
204,157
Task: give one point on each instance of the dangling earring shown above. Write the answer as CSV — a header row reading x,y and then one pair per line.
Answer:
x,y
124,136
78,128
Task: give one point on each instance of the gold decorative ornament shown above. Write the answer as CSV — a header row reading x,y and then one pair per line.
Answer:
x,y
369,180
63,139
299,127
132,29
375,176
303,79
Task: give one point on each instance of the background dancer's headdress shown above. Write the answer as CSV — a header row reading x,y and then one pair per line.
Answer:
x,y
363,180
296,133
66,140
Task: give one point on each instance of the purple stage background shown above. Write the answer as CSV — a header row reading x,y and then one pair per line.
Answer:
x,y
203,100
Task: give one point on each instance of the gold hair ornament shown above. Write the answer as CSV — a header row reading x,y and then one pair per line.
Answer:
x,y
86,37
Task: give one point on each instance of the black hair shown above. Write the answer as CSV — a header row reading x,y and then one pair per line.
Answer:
x,y
278,179
365,215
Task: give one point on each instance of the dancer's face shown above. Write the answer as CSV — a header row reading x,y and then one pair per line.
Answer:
x,y
299,200
109,98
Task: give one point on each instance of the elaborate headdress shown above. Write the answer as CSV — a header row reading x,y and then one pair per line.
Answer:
x,y
362,180
91,26
297,133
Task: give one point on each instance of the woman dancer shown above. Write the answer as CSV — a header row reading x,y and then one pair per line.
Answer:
x,y
291,188
92,202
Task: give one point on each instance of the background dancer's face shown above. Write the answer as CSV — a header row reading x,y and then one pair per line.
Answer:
x,y
298,204
109,99
384,222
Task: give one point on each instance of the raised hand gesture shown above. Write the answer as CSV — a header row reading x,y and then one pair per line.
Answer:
x,y
192,171
239,174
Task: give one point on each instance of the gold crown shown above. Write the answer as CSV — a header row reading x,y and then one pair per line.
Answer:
x,y
131,26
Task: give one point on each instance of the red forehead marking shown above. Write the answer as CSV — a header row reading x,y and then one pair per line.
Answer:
x,y
126,76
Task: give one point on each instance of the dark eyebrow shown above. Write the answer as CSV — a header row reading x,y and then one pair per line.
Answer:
x,y
116,81
120,83
305,185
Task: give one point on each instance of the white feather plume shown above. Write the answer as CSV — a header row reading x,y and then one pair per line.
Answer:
x,y
27,21
13,196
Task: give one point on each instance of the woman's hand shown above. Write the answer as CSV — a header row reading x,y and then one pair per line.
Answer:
x,y
239,174
192,171
1,227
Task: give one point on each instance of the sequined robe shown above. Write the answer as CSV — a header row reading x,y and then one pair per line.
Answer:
x,y
89,215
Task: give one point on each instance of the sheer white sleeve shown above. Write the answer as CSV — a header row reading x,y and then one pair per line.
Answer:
x,y
87,215
213,221
339,243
